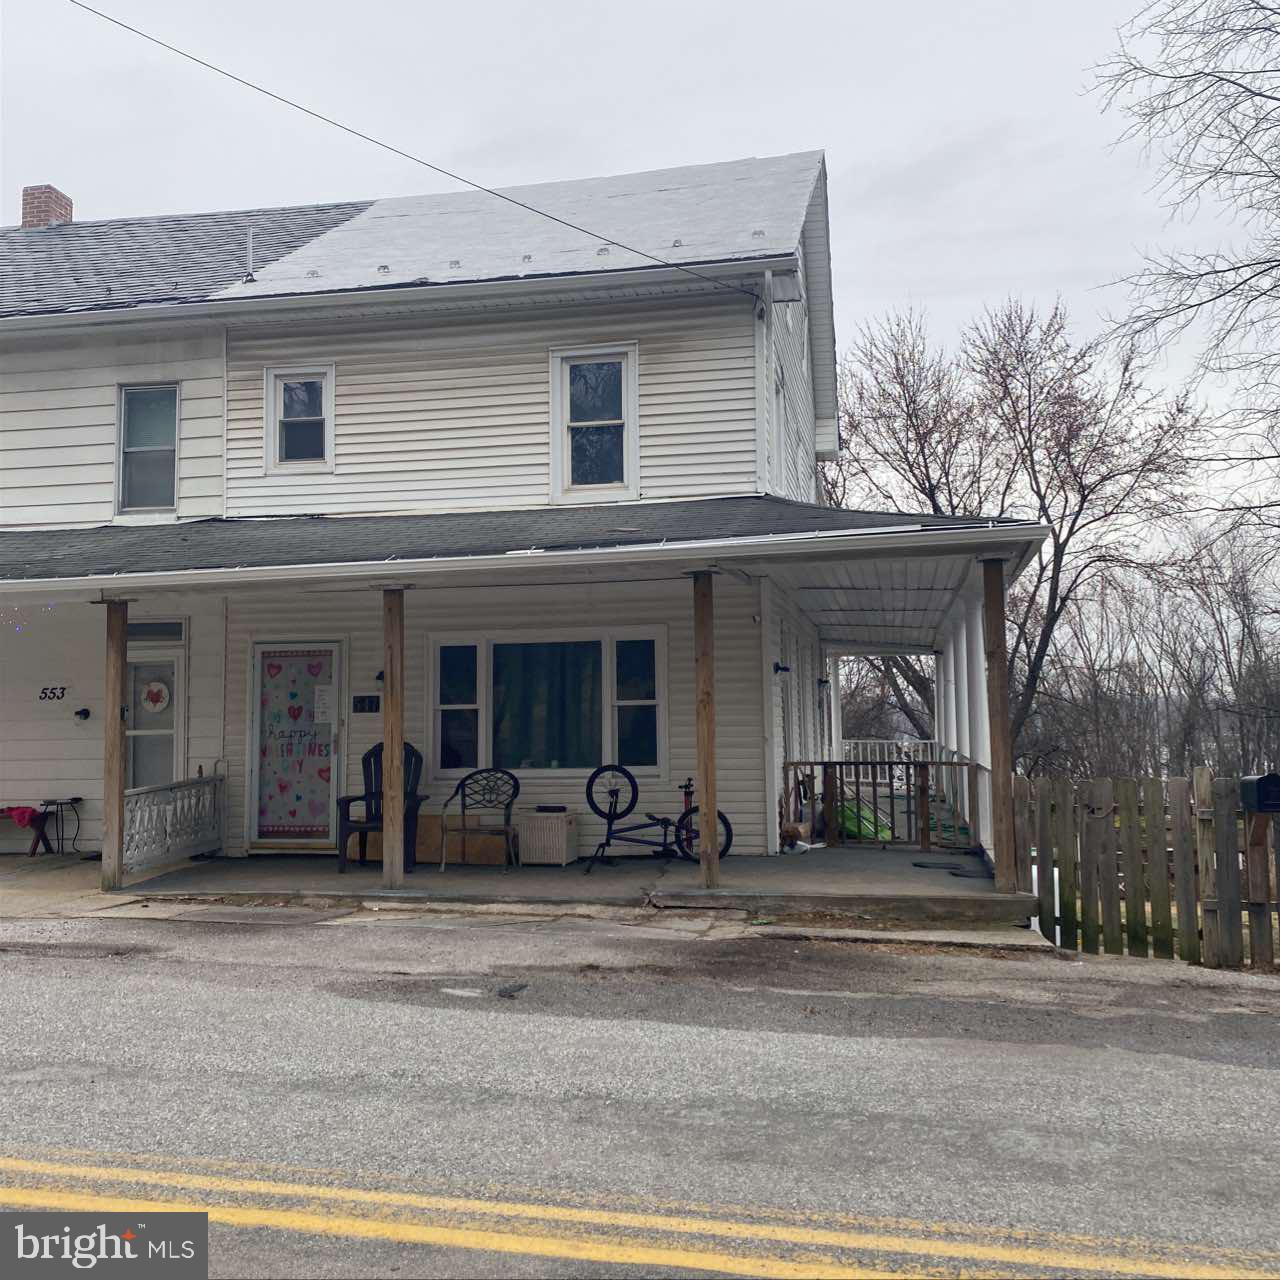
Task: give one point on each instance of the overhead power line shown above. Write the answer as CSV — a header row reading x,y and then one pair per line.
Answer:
x,y
408,155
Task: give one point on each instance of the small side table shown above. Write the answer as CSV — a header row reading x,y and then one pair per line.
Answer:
x,y
548,839
58,810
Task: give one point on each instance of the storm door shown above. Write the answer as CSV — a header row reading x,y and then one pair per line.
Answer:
x,y
296,771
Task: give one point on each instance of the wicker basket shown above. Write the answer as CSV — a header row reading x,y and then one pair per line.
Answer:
x,y
546,839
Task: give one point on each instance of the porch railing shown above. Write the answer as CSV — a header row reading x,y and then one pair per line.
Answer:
x,y
901,799
885,750
173,820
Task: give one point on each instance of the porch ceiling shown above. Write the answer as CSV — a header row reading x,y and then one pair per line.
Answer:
x,y
889,605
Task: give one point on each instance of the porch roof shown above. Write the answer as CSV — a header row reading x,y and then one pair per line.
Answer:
x,y
262,549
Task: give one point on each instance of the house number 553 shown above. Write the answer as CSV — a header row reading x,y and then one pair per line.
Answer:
x,y
53,693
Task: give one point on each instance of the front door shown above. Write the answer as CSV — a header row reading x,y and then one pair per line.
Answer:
x,y
296,768
153,727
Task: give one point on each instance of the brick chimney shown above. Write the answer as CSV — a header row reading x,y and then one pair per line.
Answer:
x,y
44,206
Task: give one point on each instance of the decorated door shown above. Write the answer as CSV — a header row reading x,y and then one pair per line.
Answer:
x,y
297,771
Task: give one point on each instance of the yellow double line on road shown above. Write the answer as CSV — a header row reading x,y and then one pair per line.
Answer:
x,y
603,1235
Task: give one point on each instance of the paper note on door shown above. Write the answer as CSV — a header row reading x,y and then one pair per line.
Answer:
x,y
324,704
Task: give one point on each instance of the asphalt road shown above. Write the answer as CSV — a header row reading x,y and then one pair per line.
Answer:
x,y
437,1096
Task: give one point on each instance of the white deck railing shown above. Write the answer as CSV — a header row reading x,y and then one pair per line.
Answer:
x,y
173,820
890,750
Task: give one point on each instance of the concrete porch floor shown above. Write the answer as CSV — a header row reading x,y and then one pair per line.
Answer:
x,y
868,882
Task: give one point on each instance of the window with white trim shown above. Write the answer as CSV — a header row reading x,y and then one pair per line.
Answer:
x,y
595,444
548,703
148,448
299,419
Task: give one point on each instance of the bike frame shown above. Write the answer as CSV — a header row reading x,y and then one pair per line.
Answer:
x,y
615,834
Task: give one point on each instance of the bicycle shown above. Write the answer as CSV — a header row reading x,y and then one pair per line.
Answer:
x,y
606,788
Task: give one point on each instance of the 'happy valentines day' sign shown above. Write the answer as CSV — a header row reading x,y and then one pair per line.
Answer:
x,y
295,765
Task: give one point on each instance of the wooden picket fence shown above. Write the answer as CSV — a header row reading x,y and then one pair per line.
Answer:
x,y
1150,867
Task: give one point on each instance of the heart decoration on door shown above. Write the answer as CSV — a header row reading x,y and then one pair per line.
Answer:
x,y
155,696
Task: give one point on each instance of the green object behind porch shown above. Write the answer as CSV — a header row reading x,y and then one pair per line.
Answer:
x,y
860,822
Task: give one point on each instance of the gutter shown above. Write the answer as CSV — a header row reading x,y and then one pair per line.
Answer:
x,y
224,310
827,543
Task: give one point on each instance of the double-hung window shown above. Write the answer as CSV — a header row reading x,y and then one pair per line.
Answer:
x,y
548,703
148,448
299,419
595,446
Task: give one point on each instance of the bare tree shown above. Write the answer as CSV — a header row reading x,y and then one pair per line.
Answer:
x,y
1183,658
1199,81
1022,421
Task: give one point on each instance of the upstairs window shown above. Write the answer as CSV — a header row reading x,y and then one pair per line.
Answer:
x,y
595,444
299,428
148,448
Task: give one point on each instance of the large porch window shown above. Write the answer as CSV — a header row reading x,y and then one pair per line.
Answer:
x,y
547,703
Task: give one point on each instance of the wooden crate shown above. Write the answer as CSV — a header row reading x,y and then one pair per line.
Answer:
x,y
485,850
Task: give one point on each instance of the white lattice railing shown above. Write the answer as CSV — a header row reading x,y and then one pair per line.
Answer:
x,y
173,820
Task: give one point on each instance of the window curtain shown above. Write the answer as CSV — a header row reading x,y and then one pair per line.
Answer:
x,y
547,705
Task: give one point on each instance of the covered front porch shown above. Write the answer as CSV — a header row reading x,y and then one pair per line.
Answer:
x,y
708,656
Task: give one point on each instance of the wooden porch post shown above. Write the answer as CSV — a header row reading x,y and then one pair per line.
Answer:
x,y
115,702
704,649
393,737
1002,844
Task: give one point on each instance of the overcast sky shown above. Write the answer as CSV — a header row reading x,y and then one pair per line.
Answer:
x,y
967,161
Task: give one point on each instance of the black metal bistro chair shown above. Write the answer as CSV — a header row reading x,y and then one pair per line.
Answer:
x,y
371,799
489,790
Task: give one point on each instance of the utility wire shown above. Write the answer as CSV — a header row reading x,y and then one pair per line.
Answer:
x,y
406,155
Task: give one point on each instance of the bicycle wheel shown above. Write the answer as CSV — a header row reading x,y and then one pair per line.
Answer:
x,y
687,833
606,780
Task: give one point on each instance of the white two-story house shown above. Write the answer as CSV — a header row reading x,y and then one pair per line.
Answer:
x,y
526,492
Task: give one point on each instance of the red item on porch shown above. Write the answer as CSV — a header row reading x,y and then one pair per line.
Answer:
x,y
23,815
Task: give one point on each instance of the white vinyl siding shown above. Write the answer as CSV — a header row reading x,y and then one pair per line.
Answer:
x,y
793,696
355,619
60,423
791,420
452,412
45,751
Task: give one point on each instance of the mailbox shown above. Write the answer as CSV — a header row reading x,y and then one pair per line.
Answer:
x,y
1260,794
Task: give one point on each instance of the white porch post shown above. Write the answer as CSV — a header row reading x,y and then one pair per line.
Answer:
x,y
837,711
998,714
939,695
393,737
115,701
960,682
979,726
960,653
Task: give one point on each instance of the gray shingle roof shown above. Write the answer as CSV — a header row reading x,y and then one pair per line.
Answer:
x,y
697,214
317,540
89,266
